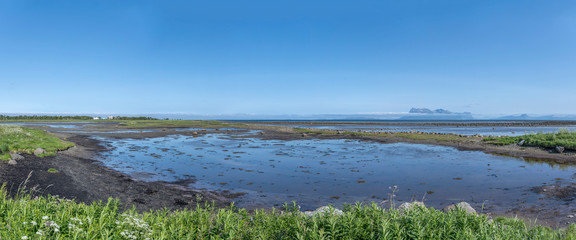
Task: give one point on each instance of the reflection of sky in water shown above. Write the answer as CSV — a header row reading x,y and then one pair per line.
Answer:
x,y
492,130
319,172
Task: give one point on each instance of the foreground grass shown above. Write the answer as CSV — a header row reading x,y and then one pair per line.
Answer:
x,y
25,140
564,138
25,217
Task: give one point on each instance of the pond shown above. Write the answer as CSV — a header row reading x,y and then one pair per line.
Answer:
x,y
321,172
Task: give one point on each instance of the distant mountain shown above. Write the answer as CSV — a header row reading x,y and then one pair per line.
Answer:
x,y
438,114
421,110
428,111
539,117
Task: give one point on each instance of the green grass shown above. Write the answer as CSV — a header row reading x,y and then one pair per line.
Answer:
x,y
405,135
52,170
25,140
564,138
52,218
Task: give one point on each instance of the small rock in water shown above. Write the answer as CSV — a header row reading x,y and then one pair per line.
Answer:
x,y
559,149
462,205
570,216
16,156
39,151
12,162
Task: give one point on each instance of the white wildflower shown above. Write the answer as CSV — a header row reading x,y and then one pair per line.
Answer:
x,y
24,237
33,223
45,218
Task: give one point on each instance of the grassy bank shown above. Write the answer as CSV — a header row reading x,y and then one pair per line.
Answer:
x,y
406,135
53,218
563,138
25,140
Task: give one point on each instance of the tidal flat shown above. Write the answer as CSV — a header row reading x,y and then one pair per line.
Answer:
x,y
260,166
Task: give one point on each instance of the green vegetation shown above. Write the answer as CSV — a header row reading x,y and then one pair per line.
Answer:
x,y
66,118
49,118
405,135
52,170
564,138
177,123
25,140
25,217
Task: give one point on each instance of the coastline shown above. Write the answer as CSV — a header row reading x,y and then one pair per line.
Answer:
x,y
83,178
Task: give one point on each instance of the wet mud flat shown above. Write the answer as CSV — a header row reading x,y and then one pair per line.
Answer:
x,y
272,168
84,179
265,167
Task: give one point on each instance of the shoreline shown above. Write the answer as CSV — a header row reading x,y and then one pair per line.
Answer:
x,y
87,180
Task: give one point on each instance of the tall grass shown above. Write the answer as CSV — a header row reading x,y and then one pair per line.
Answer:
x,y
563,137
25,140
25,217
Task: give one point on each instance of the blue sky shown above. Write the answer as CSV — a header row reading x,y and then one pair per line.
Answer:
x,y
288,57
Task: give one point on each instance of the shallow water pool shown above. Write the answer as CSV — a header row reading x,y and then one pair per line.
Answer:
x,y
321,172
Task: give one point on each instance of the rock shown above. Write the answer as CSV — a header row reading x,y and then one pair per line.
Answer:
x,y
194,133
180,202
461,205
12,162
304,135
261,133
39,151
411,205
521,143
16,156
559,149
324,209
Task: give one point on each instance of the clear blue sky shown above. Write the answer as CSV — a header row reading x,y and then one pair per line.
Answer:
x,y
288,57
